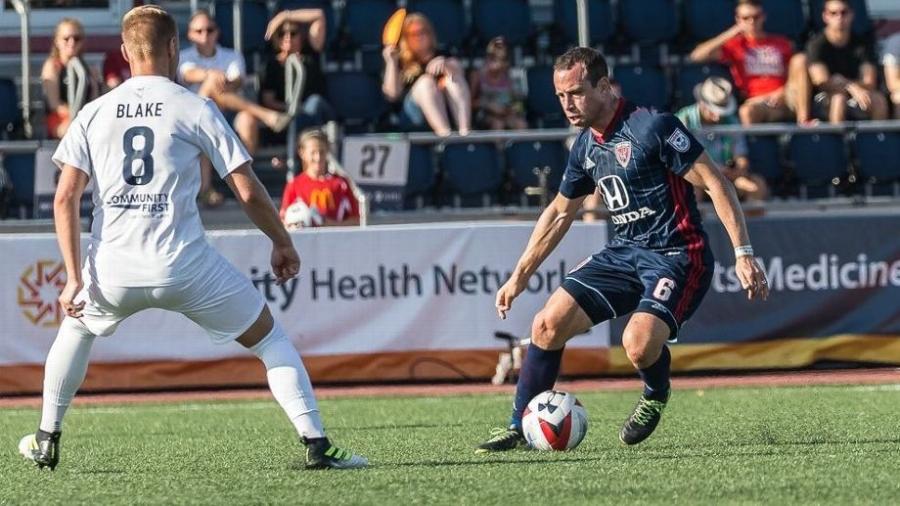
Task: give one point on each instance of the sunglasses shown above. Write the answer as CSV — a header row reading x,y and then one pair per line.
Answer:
x,y
210,29
76,38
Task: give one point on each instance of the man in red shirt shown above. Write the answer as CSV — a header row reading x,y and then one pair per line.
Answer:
x,y
323,192
772,80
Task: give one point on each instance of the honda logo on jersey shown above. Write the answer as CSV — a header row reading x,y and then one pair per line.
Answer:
x,y
614,193
623,153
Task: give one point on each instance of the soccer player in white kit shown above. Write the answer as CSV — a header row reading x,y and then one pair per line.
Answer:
x,y
141,144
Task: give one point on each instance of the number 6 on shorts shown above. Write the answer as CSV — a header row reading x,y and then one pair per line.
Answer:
x,y
663,289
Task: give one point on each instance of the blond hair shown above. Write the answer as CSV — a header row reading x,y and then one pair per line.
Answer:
x,y
147,31
410,68
312,134
54,50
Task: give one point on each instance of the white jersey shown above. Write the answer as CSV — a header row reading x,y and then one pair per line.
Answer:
x,y
229,62
141,143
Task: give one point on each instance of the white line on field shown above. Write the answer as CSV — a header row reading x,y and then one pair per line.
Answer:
x,y
876,388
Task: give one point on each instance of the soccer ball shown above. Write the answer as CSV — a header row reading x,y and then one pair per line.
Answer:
x,y
299,214
554,421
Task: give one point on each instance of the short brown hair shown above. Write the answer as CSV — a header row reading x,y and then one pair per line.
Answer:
x,y
593,62
845,2
147,31
752,3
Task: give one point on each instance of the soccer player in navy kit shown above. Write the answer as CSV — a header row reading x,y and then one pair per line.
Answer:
x,y
658,265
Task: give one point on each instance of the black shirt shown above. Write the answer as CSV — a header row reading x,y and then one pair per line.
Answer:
x,y
844,60
272,76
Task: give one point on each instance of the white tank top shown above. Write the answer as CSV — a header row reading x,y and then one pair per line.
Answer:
x,y
141,144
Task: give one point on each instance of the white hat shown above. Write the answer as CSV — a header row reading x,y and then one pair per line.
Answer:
x,y
716,94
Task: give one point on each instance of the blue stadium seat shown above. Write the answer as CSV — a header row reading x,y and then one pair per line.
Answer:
x,y
763,153
524,156
645,86
543,107
509,18
472,175
707,18
20,167
862,23
10,115
448,18
366,107
363,22
690,75
649,21
820,162
254,19
420,178
786,17
601,25
331,29
878,157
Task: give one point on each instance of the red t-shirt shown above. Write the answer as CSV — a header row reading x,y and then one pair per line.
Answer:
x,y
331,196
758,66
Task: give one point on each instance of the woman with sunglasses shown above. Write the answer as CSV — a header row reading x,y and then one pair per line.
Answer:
x,y
68,44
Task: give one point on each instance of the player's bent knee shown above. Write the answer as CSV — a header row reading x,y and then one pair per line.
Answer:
x,y
546,332
258,330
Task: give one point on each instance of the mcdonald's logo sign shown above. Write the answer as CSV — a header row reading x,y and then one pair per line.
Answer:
x,y
322,199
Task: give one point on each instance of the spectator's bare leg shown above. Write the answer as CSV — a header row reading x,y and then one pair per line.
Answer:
x,y
247,128
228,101
495,122
895,99
208,195
837,108
427,96
460,101
753,111
516,122
879,108
799,88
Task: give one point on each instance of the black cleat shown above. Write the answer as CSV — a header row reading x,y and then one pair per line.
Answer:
x,y
502,440
643,420
321,454
42,448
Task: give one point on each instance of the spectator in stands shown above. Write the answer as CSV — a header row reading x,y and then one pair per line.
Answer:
x,y
771,79
716,105
842,69
210,70
328,194
426,81
68,45
497,101
301,32
891,61
115,68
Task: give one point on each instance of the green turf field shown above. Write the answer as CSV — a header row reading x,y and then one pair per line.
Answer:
x,y
773,446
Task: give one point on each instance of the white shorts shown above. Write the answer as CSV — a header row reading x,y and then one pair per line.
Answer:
x,y
217,297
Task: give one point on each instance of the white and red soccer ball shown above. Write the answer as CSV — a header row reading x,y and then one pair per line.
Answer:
x,y
554,421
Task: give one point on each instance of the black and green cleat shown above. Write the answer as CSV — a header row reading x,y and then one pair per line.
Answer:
x,y
328,456
501,440
643,420
42,448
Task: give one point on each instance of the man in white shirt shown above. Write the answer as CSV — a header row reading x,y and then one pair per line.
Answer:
x,y
141,144
216,72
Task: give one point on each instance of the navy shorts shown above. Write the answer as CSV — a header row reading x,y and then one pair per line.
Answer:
x,y
621,279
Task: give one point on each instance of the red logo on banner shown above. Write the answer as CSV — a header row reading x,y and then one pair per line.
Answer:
x,y
38,291
623,153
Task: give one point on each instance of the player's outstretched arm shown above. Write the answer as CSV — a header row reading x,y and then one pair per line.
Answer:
x,y
552,225
259,208
705,174
66,217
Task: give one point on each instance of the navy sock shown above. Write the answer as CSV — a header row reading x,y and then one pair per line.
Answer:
x,y
656,377
539,372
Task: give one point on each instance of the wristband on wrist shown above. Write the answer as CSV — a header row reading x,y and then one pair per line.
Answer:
x,y
743,251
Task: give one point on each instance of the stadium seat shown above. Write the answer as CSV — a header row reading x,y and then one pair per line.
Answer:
x,y
643,85
707,18
363,22
367,106
448,18
254,19
472,175
786,17
331,29
20,167
509,18
10,115
600,21
690,75
763,153
649,21
543,107
420,178
878,157
862,23
820,162
522,158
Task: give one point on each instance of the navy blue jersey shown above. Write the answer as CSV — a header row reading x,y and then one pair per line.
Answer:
x,y
638,164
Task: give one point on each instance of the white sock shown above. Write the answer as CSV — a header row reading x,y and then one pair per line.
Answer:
x,y
289,382
64,371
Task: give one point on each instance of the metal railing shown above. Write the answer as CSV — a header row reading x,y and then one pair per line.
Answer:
x,y
23,8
